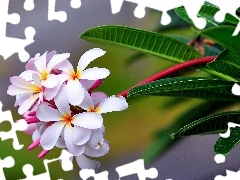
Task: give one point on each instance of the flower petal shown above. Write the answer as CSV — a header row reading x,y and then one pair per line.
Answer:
x,y
61,101
35,135
80,135
74,149
95,73
41,127
27,75
89,56
51,135
50,93
41,63
20,82
50,55
102,129
51,81
65,66
60,143
89,120
96,139
113,103
27,104
21,98
15,90
87,103
86,163
30,65
46,113
75,92
87,84
98,97
236,89
103,150
56,59
36,79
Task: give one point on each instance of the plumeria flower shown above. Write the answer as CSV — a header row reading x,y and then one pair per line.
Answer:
x,y
33,91
85,163
112,103
75,90
60,108
40,127
76,128
43,65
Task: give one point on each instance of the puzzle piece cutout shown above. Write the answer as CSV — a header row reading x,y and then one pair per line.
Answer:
x,y
137,167
230,175
219,158
225,7
29,5
60,15
16,126
52,14
66,162
13,45
191,8
7,162
87,173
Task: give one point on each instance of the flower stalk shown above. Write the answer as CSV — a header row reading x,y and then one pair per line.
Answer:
x,y
171,70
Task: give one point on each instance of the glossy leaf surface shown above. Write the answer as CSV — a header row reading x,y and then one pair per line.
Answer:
x,y
143,41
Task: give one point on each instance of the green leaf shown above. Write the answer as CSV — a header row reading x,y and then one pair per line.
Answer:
x,y
143,41
194,87
224,36
137,56
207,12
227,62
225,145
181,12
209,125
162,137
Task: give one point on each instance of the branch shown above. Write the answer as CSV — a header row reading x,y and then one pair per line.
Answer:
x,y
173,69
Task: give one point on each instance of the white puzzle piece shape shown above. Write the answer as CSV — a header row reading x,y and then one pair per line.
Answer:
x,y
7,162
13,45
192,9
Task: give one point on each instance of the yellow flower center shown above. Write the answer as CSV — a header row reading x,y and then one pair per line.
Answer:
x,y
44,75
67,119
76,75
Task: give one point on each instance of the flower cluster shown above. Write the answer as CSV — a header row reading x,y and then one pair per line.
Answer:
x,y
60,107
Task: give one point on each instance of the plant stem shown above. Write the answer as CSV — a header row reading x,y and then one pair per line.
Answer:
x,y
178,67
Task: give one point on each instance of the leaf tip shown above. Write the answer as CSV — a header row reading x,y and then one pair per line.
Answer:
x,y
173,135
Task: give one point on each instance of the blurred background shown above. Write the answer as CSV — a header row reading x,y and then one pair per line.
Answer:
x,y
129,132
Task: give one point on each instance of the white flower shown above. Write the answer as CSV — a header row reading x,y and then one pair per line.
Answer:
x,y
40,127
99,105
60,108
33,92
74,87
85,163
43,65
110,104
76,129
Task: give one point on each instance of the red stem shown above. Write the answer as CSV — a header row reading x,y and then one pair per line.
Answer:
x,y
166,72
